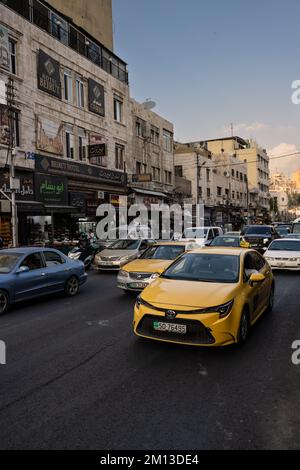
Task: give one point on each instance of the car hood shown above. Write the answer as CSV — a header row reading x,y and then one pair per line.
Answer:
x,y
282,254
147,265
118,253
173,293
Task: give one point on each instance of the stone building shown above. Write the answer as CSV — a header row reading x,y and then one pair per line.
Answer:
x,y
218,181
72,121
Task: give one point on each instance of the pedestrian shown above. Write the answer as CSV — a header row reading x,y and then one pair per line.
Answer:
x,y
91,235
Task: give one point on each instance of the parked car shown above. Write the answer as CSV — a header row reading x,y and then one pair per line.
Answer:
x,y
119,253
292,235
283,230
26,273
259,236
233,234
284,254
137,274
230,241
207,297
295,227
201,235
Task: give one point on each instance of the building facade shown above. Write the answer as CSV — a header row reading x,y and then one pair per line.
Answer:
x,y
280,182
71,122
216,181
257,161
152,162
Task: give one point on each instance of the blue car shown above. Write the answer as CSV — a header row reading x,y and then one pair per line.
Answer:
x,y
26,273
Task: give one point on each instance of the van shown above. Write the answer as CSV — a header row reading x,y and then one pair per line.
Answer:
x,y
201,235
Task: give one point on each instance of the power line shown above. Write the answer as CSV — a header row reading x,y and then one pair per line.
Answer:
x,y
252,161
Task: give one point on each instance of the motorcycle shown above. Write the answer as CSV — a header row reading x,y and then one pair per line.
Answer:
x,y
86,256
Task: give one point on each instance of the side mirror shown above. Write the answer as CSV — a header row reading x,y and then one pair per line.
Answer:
x,y
22,269
208,242
256,278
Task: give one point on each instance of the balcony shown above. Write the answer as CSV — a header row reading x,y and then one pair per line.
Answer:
x,y
66,32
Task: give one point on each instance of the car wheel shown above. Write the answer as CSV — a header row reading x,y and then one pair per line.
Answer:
x,y
271,300
72,286
4,302
243,328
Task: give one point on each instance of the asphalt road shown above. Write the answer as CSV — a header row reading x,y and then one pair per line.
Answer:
x,y
77,378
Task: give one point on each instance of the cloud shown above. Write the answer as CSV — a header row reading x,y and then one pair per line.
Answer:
x,y
287,164
252,127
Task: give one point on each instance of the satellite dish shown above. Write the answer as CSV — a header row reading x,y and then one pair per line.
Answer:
x,y
149,104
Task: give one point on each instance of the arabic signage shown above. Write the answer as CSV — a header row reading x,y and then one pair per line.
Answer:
x,y
26,190
77,199
4,125
4,48
96,97
48,74
49,135
51,190
91,206
61,166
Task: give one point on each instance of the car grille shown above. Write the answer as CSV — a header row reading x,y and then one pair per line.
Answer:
x,y
140,276
109,258
196,331
254,241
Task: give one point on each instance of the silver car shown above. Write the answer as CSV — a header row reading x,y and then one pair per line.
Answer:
x,y
119,253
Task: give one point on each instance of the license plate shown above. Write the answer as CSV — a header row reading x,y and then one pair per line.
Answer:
x,y
138,285
169,327
106,263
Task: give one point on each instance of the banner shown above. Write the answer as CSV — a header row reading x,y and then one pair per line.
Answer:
x,y
49,135
97,150
96,97
49,75
51,190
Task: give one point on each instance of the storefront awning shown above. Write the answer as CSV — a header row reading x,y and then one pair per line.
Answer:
x,y
149,193
30,206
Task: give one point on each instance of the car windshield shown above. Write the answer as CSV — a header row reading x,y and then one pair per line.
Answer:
x,y
199,232
226,241
7,262
163,252
257,230
283,230
296,228
205,267
285,245
125,245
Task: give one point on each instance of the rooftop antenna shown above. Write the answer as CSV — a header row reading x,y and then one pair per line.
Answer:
x,y
231,128
149,104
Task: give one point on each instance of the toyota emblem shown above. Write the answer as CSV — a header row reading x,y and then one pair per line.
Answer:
x,y
171,314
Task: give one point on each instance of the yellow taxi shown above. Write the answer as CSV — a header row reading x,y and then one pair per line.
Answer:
x,y
207,297
137,274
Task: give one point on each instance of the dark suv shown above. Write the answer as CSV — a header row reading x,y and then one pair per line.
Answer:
x,y
259,236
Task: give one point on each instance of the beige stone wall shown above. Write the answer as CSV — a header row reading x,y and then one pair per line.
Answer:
x,y
95,16
31,101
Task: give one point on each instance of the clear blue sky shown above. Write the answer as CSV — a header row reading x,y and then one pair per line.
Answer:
x,y
210,63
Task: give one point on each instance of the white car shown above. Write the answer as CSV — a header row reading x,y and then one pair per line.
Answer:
x,y
201,235
284,253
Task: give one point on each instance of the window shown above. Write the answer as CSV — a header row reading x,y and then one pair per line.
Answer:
x,y
138,168
179,171
53,259
144,168
208,175
140,127
154,135
232,173
33,261
68,82
59,28
168,177
119,156
79,92
12,57
167,141
69,144
118,110
208,192
16,128
40,15
219,191
233,194
82,144
200,191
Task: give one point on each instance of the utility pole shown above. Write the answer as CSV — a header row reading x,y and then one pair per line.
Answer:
x,y
10,97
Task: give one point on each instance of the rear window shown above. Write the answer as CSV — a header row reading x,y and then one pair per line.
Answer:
x,y
285,245
257,230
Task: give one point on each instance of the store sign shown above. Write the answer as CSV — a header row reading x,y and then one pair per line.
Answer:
x,y
49,74
51,190
142,178
4,48
97,150
96,97
49,135
70,168
77,199
25,191
91,206
4,125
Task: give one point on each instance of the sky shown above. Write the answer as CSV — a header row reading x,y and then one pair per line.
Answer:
x,y
210,63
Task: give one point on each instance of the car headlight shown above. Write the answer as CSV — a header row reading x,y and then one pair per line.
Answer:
x,y
124,258
154,276
223,309
266,240
123,273
294,259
